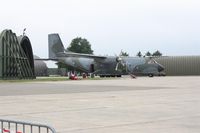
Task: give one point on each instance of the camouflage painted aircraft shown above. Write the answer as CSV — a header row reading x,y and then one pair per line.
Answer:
x,y
102,65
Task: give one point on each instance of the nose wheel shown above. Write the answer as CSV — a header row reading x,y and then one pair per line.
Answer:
x,y
150,75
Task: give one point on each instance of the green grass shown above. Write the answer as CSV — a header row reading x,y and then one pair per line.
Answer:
x,y
38,79
47,79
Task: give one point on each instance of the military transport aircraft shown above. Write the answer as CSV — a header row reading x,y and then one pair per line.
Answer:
x,y
102,65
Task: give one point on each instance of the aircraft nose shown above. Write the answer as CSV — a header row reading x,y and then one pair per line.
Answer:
x,y
160,67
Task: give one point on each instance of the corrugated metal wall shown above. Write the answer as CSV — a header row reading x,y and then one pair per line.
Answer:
x,y
180,65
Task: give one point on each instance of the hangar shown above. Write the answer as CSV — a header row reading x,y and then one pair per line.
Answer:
x,y
16,56
180,65
40,66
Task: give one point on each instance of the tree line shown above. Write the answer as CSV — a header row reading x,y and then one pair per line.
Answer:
x,y
157,53
82,45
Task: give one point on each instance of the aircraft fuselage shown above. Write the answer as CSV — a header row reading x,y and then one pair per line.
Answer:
x,y
135,65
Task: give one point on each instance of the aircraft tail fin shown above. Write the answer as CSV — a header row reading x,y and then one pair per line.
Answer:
x,y
55,45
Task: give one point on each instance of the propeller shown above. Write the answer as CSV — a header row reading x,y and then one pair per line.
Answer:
x,y
119,60
116,68
152,60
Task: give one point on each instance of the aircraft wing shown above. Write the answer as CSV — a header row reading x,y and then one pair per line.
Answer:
x,y
71,54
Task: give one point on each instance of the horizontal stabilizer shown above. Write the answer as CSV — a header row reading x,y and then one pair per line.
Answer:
x,y
45,59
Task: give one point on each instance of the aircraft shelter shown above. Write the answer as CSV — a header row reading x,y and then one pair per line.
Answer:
x,y
180,65
16,56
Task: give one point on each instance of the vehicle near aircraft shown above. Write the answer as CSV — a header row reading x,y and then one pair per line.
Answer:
x,y
102,65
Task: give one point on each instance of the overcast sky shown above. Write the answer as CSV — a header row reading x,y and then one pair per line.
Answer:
x,y
171,26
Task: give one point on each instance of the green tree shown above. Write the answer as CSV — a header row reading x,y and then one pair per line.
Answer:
x,y
124,53
139,54
80,45
157,53
148,54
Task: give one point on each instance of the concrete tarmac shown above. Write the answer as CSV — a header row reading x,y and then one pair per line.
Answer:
x,y
124,105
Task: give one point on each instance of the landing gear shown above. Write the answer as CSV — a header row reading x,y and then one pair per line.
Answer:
x,y
150,75
119,76
102,76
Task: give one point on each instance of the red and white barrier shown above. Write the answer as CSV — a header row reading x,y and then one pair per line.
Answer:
x,y
9,131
